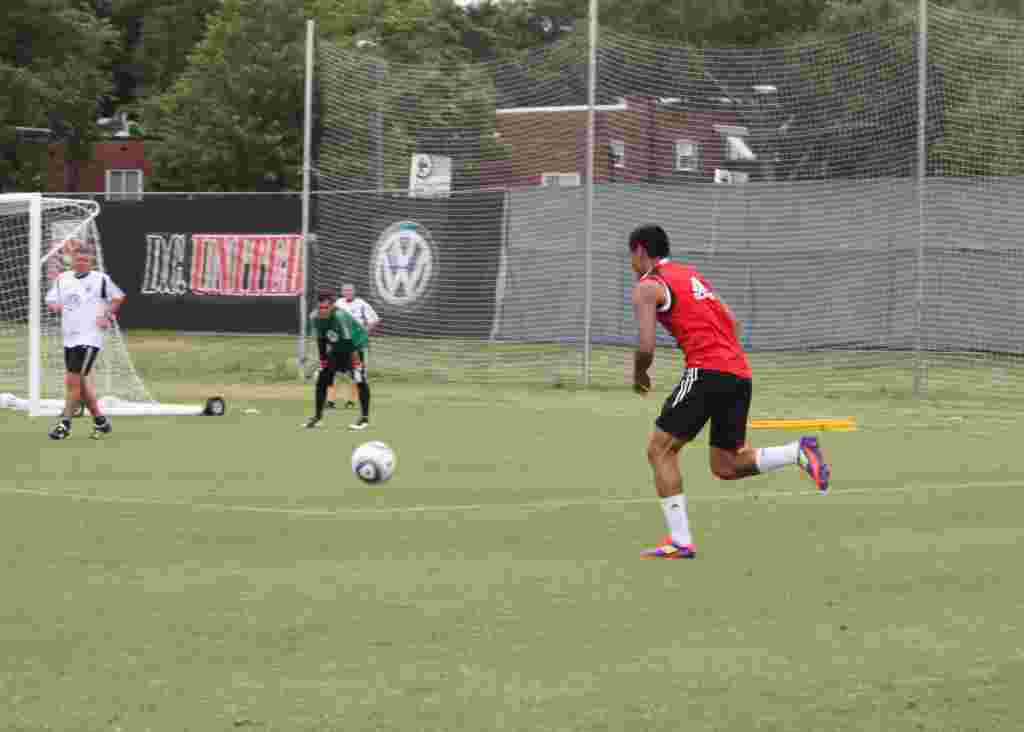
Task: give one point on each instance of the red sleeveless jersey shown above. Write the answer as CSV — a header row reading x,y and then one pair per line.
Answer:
x,y
698,320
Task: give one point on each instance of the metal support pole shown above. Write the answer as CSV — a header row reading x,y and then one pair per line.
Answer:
x,y
307,170
920,368
588,207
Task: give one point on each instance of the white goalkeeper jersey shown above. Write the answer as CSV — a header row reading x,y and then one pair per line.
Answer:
x,y
359,309
83,299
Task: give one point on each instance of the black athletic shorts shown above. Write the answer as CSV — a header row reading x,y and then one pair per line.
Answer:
x,y
80,359
702,395
342,362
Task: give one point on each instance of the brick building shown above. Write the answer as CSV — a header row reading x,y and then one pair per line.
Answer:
x,y
118,168
638,139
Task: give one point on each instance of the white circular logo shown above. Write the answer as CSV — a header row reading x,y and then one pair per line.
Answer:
x,y
424,166
402,265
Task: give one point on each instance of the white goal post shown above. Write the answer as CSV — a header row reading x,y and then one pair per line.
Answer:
x,y
37,236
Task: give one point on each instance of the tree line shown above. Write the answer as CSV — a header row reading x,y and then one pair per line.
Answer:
x,y
219,83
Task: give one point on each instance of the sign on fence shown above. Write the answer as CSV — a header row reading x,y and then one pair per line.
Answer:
x,y
188,263
235,263
223,264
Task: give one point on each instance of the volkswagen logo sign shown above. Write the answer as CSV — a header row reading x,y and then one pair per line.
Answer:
x,y
424,166
402,265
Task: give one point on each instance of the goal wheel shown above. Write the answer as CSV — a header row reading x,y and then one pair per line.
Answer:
x,y
215,407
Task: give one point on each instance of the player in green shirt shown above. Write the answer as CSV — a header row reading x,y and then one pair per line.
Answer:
x,y
341,341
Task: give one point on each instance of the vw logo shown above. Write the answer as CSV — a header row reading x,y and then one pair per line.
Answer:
x,y
402,265
424,166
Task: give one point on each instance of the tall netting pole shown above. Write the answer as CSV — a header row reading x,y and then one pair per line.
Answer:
x,y
920,368
307,168
588,206
35,303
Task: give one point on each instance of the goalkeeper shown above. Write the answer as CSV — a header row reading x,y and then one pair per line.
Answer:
x,y
341,341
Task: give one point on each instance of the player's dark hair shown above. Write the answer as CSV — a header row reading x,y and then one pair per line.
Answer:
x,y
325,296
652,238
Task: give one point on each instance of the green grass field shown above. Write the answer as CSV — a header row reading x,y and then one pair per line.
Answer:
x,y
223,574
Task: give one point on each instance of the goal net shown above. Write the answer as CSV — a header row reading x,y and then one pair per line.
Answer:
x,y
454,198
38,239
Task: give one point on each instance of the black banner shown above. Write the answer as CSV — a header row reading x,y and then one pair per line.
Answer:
x,y
428,266
183,261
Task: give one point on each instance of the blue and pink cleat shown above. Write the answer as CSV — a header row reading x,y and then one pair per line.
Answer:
x,y
812,461
670,550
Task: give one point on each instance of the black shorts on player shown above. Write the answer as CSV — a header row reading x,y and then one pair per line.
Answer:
x,y
342,363
80,359
703,395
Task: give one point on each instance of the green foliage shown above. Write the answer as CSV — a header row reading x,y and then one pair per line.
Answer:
x,y
170,29
26,168
401,31
54,66
412,100
841,17
229,113
697,22
984,94
232,120
982,77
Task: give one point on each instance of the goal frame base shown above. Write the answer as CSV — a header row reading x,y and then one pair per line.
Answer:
x,y
214,407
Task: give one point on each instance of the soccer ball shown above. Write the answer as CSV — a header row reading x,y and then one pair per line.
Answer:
x,y
373,462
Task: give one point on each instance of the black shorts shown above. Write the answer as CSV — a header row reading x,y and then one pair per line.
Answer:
x,y
80,359
342,362
702,395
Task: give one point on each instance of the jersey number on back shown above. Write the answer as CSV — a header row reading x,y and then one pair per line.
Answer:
x,y
700,292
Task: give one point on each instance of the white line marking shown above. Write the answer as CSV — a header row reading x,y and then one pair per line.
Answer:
x,y
833,495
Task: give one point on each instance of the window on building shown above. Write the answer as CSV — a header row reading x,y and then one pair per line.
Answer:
x,y
617,153
689,156
560,179
124,185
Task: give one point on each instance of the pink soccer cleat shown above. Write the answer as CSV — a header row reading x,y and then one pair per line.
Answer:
x,y
670,550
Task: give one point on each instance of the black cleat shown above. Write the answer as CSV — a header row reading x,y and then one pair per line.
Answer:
x,y
332,405
60,432
311,423
350,404
101,430
361,424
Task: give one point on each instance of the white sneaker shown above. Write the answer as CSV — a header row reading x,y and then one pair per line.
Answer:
x,y
361,424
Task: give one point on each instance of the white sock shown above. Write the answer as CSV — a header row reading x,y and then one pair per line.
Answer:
x,y
678,523
773,458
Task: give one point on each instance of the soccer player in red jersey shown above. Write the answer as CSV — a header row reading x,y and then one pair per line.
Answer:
x,y
715,385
